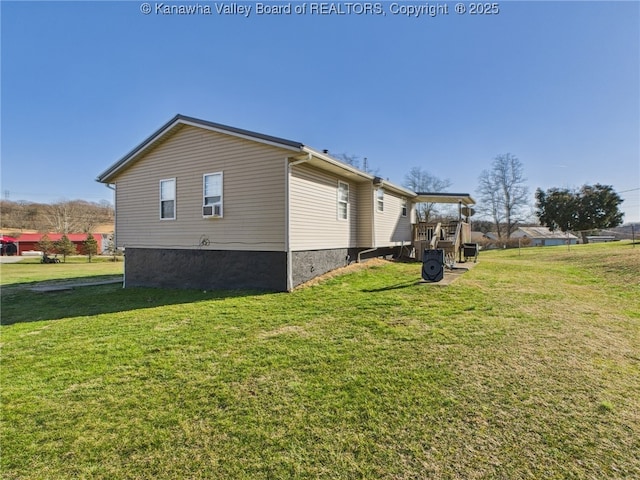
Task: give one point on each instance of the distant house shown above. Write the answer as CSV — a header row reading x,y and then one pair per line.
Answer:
x,y
543,237
28,242
204,205
478,237
601,238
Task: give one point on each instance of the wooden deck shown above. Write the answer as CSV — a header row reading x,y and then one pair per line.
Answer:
x,y
450,237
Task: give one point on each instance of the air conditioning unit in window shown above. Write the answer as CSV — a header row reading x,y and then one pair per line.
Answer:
x,y
212,211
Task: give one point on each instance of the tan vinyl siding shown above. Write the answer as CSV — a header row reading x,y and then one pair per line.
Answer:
x,y
365,215
253,194
391,228
313,210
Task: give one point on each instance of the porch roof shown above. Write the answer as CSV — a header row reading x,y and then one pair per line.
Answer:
x,y
431,197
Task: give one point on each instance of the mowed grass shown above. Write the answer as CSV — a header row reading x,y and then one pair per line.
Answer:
x,y
528,366
29,270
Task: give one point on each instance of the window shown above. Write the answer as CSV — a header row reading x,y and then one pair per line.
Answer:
x,y
404,207
343,201
168,199
212,193
380,199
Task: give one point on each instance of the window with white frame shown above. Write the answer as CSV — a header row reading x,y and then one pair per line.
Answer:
x,y
168,199
212,195
343,201
380,199
404,207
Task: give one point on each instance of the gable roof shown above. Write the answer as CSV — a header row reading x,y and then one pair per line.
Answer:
x,y
318,159
178,121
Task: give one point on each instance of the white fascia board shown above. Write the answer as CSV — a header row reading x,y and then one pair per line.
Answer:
x,y
336,163
391,187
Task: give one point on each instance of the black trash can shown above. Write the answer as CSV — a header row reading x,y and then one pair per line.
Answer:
x,y
433,265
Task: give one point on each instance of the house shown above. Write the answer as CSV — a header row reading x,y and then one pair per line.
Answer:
x,y
601,238
543,237
204,205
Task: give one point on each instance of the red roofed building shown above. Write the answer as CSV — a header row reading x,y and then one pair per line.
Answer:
x,y
29,241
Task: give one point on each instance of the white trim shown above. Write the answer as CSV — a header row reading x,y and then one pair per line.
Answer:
x,y
175,203
204,175
404,207
332,161
378,200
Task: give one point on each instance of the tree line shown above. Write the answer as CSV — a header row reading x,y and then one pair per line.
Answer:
x,y
68,216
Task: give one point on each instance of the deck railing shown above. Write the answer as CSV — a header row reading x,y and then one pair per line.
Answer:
x,y
449,236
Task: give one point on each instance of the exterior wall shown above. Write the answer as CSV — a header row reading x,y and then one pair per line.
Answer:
x,y
205,269
364,236
391,228
312,263
313,211
253,194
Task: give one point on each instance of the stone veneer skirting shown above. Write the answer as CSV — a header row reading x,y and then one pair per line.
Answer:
x,y
205,269
232,269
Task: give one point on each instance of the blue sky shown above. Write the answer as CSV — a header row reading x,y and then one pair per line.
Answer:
x,y
555,83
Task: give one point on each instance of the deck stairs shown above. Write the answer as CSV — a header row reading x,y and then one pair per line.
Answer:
x,y
446,236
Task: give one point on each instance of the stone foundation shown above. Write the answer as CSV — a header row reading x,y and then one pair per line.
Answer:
x,y
205,269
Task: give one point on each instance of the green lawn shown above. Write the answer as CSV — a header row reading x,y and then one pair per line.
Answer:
x,y
527,367
29,270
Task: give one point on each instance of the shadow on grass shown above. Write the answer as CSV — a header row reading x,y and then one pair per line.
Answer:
x,y
70,281
21,305
398,286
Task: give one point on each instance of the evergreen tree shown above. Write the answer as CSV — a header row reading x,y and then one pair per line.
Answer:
x,y
65,247
45,245
90,246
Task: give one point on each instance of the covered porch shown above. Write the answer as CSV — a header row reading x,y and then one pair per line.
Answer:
x,y
450,236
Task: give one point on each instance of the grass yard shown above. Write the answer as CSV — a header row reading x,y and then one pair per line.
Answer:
x,y
30,271
527,367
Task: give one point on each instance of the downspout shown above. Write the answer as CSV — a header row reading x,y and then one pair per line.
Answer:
x,y
287,229
366,251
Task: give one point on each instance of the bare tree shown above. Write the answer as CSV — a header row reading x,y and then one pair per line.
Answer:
x,y
62,217
503,193
354,161
78,216
420,180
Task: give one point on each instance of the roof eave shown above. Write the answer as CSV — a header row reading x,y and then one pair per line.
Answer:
x,y
356,173
433,197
